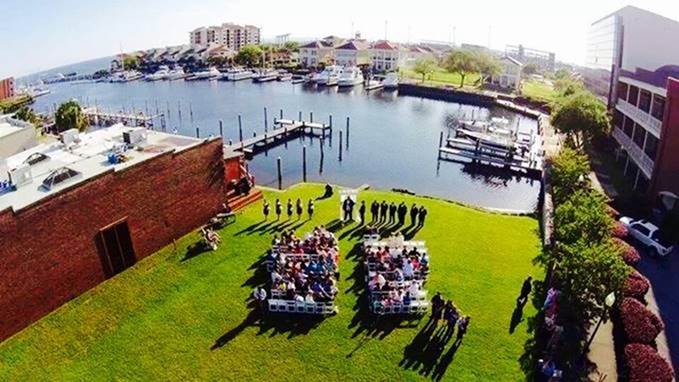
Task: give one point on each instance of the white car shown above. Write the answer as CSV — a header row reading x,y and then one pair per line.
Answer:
x,y
648,234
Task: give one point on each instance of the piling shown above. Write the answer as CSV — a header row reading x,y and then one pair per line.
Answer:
x,y
441,140
340,145
221,129
347,134
300,116
191,111
266,121
330,120
197,132
281,114
304,163
240,128
280,175
230,142
311,116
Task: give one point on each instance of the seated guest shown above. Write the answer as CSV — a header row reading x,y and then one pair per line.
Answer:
x,y
408,271
407,299
309,298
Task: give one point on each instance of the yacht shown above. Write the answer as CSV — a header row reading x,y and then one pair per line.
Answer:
x,y
390,81
237,74
284,76
350,77
265,75
159,74
205,74
175,74
329,76
125,76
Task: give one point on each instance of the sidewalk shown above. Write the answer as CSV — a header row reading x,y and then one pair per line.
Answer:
x,y
602,353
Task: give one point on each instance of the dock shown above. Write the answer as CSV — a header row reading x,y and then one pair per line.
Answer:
x,y
374,86
455,149
284,129
99,117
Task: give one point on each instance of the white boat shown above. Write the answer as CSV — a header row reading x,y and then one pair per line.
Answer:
x,y
329,76
175,74
284,76
350,77
237,74
265,75
160,74
125,76
390,81
205,74
373,85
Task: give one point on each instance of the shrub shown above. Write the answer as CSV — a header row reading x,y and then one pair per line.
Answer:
x,y
628,252
639,323
612,212
644,364
636,286
619,231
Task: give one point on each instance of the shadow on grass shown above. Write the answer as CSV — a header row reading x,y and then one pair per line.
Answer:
x,y
425,353
194,250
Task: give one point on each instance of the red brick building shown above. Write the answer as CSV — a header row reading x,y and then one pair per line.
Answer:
x,y
58,242
7,88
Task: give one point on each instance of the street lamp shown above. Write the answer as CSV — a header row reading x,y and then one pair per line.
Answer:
x,y
609,301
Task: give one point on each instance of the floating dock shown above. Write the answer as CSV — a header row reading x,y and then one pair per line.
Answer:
x,y
376,86
456,149
284,129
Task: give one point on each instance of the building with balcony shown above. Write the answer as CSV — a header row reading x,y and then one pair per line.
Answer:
x,y
353,53
387,56
230,35
319,52
7,88
631,67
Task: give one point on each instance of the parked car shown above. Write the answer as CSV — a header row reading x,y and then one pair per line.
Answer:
x,y
647,234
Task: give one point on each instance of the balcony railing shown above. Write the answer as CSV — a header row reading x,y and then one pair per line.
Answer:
x,y
639,116
635,152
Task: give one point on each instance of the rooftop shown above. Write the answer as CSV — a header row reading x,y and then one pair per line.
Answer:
x,y
88,156
10,125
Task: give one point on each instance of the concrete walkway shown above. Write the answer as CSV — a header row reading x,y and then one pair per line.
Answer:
x,y
602,353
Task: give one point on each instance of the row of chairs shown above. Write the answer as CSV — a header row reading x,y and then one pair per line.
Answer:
x,y
420,297
412,308
372,271
288,306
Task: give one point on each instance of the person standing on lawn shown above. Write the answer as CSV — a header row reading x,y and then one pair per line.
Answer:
x,y
289,208
300,209
361,212
526,288
374,211
422,215
436,308
413,214
310,209
383,211
279,209
266,209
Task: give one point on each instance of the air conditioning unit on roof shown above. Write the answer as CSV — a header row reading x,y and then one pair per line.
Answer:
x,y
69,137
135,136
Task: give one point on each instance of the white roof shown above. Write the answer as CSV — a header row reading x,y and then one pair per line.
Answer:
x,y
7,129
89,158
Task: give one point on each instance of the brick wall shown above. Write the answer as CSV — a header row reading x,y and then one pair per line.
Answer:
x,y
48,252
666,172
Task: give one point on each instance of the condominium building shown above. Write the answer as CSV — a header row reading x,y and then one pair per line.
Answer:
x,y
7,88
387,56
319,52
231,35
540,58
631,66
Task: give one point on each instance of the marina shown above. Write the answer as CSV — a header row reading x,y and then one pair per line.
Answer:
x,y
391,139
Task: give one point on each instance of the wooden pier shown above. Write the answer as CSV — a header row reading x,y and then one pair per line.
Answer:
x,y
284,129
98,117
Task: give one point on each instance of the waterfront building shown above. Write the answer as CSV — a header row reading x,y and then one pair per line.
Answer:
x,y
510,76
89,206
630,66
355,52
542,59
284,58
387,56
7,88
15,136
231,35
319,52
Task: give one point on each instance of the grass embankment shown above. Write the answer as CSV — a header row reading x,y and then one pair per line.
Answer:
x,y
10,105
538,90
176,318
441,78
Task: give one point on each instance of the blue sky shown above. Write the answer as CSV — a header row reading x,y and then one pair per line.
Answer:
x,y
42,34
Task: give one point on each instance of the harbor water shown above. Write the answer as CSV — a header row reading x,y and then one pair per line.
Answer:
x,y
391,142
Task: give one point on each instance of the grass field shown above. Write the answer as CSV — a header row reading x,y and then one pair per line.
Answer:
x,y
180,317
538,90
440,77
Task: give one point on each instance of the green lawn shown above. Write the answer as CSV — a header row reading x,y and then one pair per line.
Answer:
x,y
440,77
176,318
538,90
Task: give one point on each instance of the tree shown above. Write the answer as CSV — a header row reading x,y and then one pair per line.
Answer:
x,y
249,55
70,116
131,62
530,69
291,46
462,62
27,114
487,65
582,218
424,67
582,117
567,86
570,172
217,61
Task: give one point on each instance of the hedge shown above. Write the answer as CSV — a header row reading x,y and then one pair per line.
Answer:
x,y
644,364
636,286
640,324
629,253
619,231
